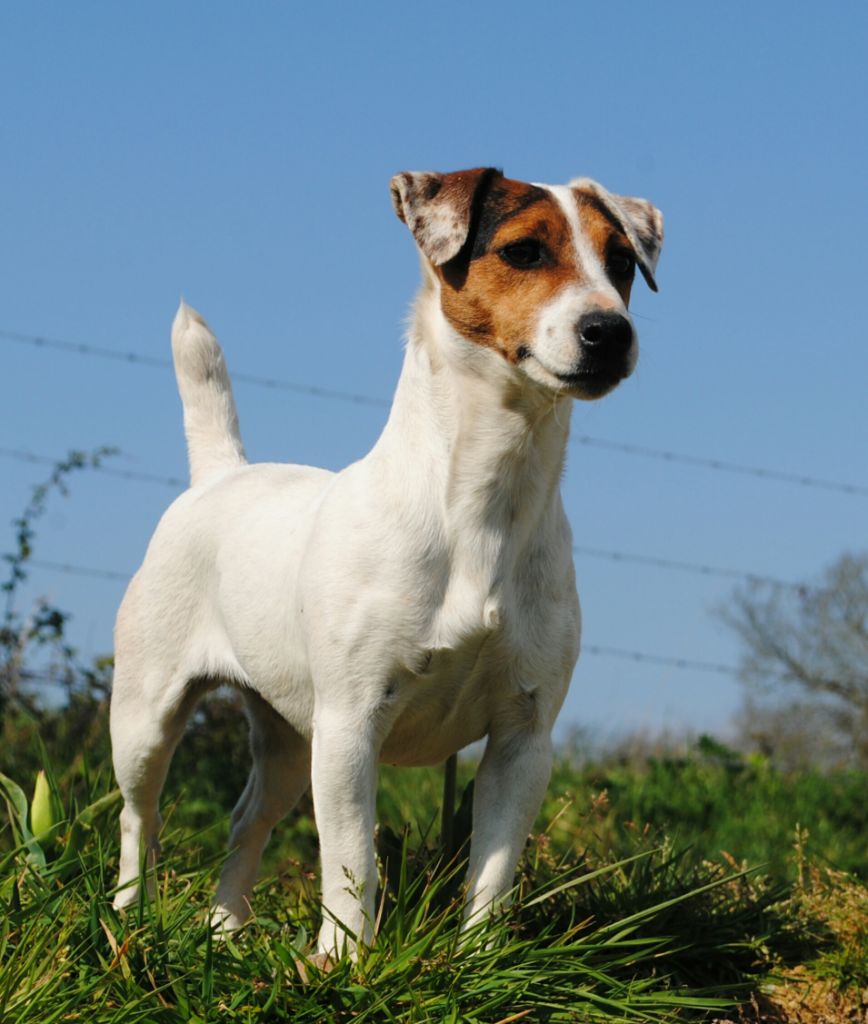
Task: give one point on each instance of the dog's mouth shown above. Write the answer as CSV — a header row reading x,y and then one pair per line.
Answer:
x,y
595,380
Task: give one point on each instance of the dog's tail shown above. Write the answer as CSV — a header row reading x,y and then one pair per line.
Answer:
x,y
210,420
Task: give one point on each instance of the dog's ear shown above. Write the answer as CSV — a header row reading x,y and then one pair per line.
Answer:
x,y
439,208
640,221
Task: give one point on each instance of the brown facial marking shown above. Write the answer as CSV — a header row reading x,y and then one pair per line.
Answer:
x,y
487,300
607,238
497,305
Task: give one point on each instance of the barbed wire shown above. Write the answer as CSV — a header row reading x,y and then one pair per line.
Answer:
x,y
721,465
624,448
667,660
140,359
677,565
595,650
22,455
78,570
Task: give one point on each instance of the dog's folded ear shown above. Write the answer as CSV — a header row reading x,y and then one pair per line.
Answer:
x,y
439,208
640,221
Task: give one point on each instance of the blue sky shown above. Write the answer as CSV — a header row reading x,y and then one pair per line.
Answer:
x,y
239,154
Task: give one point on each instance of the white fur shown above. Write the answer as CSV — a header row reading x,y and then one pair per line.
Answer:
x,y
210,420
419,600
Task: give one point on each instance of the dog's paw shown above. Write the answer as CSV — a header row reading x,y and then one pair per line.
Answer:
x,y
126,898
321,962
225,921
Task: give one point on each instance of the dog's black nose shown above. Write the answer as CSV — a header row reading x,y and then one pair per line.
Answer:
x,y
605,333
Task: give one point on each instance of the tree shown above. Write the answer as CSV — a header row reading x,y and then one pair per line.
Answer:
x,y
805,665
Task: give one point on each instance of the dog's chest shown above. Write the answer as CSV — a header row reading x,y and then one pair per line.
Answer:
x,y
452,686
498,631
447,700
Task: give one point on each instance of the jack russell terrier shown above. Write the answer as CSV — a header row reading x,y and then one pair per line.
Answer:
x,y
422,598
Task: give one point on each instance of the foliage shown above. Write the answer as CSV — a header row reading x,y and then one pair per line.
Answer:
x,y
832,986
564,952
650,932
613,920
721,803
44,627
50,839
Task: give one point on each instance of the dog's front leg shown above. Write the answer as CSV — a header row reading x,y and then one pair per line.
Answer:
x,y
344,774
508,792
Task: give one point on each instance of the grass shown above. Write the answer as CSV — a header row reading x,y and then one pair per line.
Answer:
x,y
67,954
625,907
717,800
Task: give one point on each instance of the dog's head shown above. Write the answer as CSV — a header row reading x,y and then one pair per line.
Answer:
x,y
540,274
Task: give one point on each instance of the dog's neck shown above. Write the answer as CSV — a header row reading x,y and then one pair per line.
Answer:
x,y
472,443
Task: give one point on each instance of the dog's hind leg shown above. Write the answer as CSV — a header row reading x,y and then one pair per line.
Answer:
x,y
144,736
278,777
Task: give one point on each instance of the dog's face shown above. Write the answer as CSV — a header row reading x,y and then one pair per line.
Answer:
x,y
540,274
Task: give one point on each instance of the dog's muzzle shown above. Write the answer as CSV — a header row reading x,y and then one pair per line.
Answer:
x,y
605,349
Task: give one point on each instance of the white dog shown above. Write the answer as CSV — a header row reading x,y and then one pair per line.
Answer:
x,y
418,600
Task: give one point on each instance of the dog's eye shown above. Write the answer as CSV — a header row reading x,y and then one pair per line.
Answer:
x,y
621,263
523,255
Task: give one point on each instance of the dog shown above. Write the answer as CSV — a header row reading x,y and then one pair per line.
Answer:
x,y
417,601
